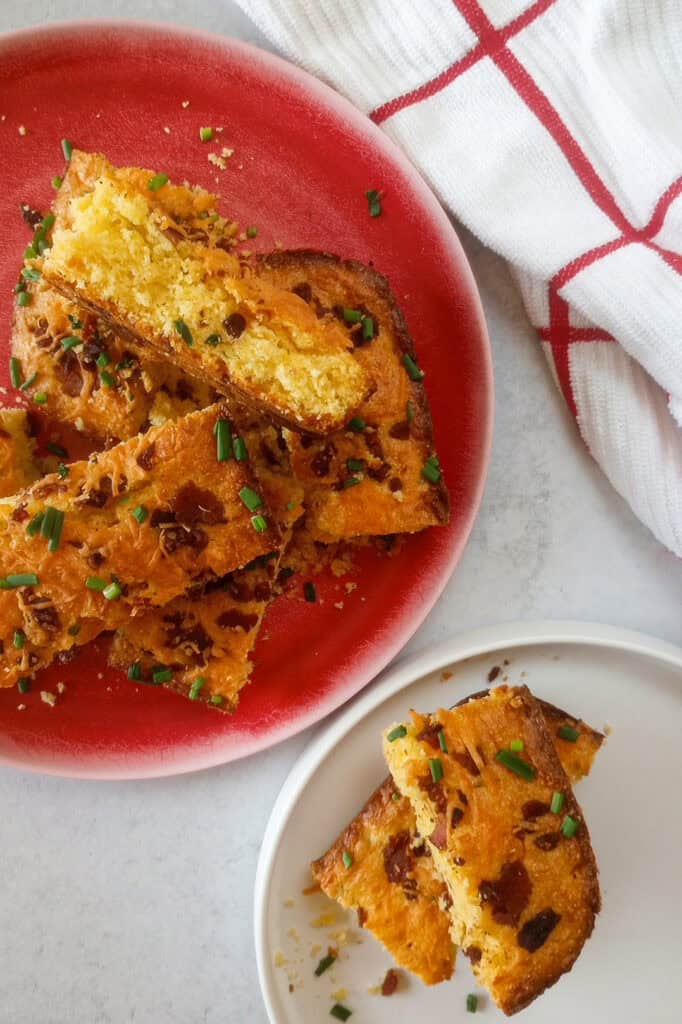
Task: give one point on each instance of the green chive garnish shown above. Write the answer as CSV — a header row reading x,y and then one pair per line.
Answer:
x,y
47,222
472,1003
19,639
516,746
213,340
396,797
357,424
442,742
516,764
71,342
240,451
103,359
57,449
374,202
347,859
22,579
56,534
397,733
106,379
57,182
409,411
367,328
431,470
27,383
140,513
567,732
135,671
249,497
20,286
355,465
195,688
23,299
251,232
161,675
74,630
30,274
95,583
23,684
324,964
157,182
352,316
15,373
413,371
112,592
35,524
215,698
309,592
67,149
40,397
206,134
62,471
570,826
75,322
557,804
48,522
436,766
223,433
259,523
184,331
350,481
30,252
340,1012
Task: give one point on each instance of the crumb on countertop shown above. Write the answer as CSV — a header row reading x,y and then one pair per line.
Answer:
x,y
325,920
184,104
445,675
48,698
21,707
23,130
61,687
289,903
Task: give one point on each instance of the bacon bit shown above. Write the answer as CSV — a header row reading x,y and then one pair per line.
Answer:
x,y
439,836
390,982
494,673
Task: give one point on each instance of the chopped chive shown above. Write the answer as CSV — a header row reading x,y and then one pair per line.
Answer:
x,y
431,470
567,732
30,274
67,149
355,465
135,671
352,316
397,733
413,371
350,481
224,447
62,471
48,522
324,964
74,630
40,397
124,364
442,741
396,797
35,524
42,245
195,688
570,826
309,592
372,194
240,450
374,202
515,764
71,342
103,359
75,322
215,698
27,383
249,497
251,232
340,1012
57,182
15,373
367,328
161,675
95,583
213,340
57,449
140,513
47,222
557,804
30,252
436,766
516,746
56,535
106,379
21,579
291,504
20,286
112,592
409,411
259,523
347,859
157,182
206,134
23,299
472,1003
23,684
184,332
356,424
19,639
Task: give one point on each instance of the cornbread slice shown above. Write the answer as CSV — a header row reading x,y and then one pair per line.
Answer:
x,y
117,247
370,480
523,881
392,883
17,452
207,636
147,520
98,382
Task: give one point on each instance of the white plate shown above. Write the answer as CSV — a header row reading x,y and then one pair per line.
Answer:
x,y
629,971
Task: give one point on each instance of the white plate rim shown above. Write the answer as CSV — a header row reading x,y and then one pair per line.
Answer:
x,y
477,642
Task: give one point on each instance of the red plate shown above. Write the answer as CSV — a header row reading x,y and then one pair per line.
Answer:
x,y
303,159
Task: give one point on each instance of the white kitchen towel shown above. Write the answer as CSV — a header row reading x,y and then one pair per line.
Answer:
x,y
553,130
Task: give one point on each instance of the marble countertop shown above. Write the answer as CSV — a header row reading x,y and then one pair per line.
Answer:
x,y
133,901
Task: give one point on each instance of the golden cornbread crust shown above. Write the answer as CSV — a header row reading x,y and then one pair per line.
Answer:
x,y
392,495
123,251
17,452
392,883
196,529
524,895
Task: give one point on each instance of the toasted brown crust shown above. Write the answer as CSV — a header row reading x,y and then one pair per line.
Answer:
x,y
393,496
407,913
524,895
